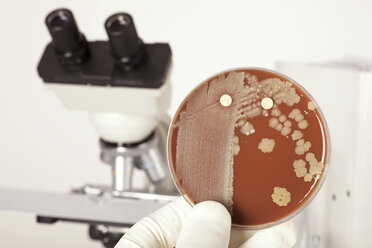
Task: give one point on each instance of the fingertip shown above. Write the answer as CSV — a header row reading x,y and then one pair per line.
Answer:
x,y
207,226
216,208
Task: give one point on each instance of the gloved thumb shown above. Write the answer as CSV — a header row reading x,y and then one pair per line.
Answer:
x,y
207,226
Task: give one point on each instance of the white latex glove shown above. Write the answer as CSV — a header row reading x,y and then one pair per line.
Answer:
x,y
206,225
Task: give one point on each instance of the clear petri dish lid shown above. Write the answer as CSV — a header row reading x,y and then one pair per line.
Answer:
x,y
252,139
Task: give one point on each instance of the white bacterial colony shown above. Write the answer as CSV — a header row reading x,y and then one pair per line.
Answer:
x,y
315,167
280,124
246,127
281,196
302,147
296,135
300,168
299,118
266,145
311,106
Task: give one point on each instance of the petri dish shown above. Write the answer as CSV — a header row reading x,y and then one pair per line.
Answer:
x,y
255,141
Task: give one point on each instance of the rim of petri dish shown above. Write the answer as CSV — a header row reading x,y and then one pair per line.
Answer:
x,y
325,156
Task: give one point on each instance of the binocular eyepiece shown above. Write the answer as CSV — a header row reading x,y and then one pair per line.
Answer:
x,y
125,45
71,46
68,42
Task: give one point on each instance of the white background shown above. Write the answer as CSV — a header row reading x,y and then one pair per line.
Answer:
x,y
45,147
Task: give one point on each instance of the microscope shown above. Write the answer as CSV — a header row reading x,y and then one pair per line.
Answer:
x,y
122,84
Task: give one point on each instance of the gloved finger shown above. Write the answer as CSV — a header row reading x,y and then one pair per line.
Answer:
x,y
158,230
281,236
207,226
238,237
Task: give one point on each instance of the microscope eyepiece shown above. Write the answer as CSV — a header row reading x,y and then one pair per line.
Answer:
x,y
126,46
58,19
119,23
68,42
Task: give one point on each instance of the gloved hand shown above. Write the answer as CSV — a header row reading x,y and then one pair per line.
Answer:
x,y
206,225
